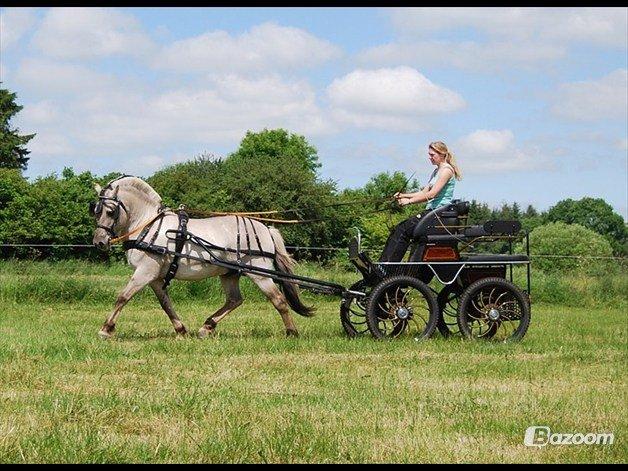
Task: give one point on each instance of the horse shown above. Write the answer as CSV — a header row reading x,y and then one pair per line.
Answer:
x,y
128,203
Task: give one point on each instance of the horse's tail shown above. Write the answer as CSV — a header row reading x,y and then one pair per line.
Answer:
x,y
285,264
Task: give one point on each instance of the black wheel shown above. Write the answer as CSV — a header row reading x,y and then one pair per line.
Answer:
x,y
402,306
353,311
493,309
448,300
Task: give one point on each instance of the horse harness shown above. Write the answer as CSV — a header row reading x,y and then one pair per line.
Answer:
x,y
181,235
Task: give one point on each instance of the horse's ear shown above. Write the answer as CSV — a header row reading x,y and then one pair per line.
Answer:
x,y
115,191
98,188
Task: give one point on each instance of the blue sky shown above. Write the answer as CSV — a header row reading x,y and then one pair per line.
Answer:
x,y
532,101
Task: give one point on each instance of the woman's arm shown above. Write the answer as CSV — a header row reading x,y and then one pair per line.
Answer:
x,y
427,194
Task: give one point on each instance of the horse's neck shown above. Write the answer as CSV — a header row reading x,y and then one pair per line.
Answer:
x,y
140,211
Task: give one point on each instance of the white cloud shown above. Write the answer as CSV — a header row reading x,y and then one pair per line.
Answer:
x,y
502,38
49,144
114,120
601,26
467,55
14,23
266,47
43,112
221,111
390,98
44,77
605,98
622,144
494,151
86,33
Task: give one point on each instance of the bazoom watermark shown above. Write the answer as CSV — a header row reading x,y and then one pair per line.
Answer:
x,y
541,436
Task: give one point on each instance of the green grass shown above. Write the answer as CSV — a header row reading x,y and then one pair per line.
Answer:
x,y
251,395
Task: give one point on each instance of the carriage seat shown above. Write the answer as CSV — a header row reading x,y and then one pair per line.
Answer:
x,y
494,227
448,216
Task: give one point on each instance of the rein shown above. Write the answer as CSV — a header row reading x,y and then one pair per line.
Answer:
x,y
138,229
258,215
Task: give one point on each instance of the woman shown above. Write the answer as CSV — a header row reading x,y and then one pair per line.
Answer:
x,y
438,192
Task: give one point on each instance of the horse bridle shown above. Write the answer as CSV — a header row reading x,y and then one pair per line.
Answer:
x,y
96,207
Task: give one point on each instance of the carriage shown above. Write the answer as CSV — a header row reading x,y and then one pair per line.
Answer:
x,y
478,298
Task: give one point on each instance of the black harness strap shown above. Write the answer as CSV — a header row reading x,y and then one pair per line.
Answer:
x,y
239,259
154,237
132,244
248,240
181,236
259,245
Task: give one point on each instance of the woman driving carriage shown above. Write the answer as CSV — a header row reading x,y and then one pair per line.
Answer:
x,y
438,192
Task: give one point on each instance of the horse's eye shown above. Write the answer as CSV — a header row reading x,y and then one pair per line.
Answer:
x,y
111,212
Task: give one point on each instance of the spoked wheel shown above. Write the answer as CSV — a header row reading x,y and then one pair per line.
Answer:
x,y
448,300
353,311
402,306
493,309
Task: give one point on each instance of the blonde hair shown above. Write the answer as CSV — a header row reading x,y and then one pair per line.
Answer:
x,y
442,149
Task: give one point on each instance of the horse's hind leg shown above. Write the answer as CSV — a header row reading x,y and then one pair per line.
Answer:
x,y
139,279
166,305
231,287
274,294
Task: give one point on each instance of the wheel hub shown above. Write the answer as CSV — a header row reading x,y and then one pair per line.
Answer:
x,y
494,314
402,313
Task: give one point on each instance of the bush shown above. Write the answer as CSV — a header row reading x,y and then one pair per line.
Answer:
x,y
48,211
561,248
595,214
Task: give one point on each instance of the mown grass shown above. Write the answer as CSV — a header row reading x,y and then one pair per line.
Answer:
x,y
251,395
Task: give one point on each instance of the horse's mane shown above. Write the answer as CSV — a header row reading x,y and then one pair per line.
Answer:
x,y
129,181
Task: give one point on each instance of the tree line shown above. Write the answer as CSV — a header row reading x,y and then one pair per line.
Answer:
x,y
271,170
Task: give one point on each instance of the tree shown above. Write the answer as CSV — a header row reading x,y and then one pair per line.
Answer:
x,y
272,170
531,212
12,151
274,143
479,213
595,214
197,183
50,210
12,185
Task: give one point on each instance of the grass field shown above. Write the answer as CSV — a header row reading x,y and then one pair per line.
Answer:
x,y
251,395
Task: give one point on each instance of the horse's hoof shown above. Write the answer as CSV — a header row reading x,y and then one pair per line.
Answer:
x,y
103,334
291,333
205,332
181,331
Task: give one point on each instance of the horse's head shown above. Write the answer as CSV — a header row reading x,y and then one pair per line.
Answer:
x,y
119,206
111,215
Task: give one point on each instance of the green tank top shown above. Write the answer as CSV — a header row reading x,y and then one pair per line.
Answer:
x,y
445,195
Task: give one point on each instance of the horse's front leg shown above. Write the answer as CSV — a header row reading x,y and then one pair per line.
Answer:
x,y
139,279
166,305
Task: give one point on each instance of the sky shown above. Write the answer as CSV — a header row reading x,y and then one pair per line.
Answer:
x,y
532,101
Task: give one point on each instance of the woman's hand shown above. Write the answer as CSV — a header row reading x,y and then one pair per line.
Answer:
x,y
403,201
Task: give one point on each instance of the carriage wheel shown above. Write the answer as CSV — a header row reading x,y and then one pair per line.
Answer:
x,y
353,311
448,300
495,309
402,306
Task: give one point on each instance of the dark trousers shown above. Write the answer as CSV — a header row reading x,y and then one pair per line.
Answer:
x,y
399,240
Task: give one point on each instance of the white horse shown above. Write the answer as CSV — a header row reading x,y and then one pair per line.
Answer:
x,y
128,203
